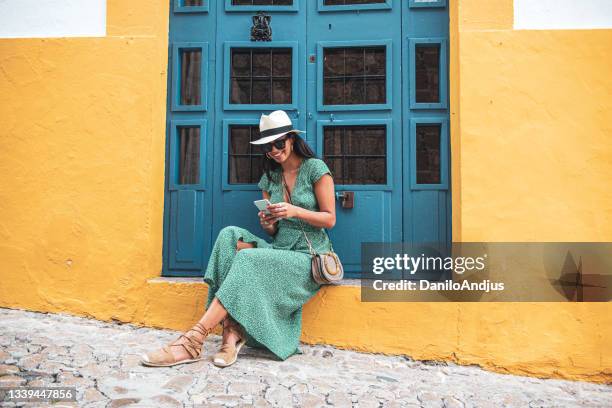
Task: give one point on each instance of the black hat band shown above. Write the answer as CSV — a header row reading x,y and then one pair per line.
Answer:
x,y
276,131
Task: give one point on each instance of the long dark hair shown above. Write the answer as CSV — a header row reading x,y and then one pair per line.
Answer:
x,y
300,147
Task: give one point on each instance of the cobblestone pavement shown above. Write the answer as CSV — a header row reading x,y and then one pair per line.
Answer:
x,y
102,360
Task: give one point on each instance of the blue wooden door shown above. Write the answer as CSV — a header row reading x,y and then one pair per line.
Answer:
x,y
366,80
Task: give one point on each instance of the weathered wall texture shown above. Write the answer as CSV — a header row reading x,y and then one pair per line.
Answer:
x,y
531,152
535,130
82,160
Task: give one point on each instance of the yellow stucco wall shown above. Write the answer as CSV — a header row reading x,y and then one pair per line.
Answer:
x,y
81,204
82,160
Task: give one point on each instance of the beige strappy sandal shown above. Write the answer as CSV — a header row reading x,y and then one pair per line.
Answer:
x,y
164,357
228,354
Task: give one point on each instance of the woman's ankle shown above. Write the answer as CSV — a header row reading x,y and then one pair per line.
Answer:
x,y
231,339
199,331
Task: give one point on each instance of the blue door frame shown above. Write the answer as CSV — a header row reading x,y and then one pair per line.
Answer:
x,y
401,208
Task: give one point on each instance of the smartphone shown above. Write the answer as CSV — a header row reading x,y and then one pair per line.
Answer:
x,y
262,204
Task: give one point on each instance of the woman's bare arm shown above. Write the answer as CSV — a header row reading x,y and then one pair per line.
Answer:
x,y
326,216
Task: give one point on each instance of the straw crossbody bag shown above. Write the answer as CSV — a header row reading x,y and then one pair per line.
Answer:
x,y
326,267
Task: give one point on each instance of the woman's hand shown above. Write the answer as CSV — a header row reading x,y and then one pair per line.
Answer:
x,y
284,210
267,221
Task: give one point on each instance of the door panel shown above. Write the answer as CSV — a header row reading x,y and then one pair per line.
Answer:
x,y
188,196
427,199
186,234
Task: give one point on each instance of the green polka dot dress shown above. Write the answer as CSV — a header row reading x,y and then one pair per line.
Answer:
x,y
264,288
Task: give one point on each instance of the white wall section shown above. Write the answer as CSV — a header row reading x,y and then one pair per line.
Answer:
x,y
52,18
562,14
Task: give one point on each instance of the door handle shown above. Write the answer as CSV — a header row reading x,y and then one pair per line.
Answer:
x,y
347,198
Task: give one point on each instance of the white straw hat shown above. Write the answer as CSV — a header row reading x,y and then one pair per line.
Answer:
x,y
273,126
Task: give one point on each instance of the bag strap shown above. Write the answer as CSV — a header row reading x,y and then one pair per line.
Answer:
x,y
312,252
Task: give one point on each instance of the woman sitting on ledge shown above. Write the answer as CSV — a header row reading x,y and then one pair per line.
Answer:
x,y
257,289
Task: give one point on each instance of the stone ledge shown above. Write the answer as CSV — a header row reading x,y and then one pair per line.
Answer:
x,y
198,280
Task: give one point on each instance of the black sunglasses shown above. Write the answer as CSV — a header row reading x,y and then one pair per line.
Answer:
x,y
278,143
